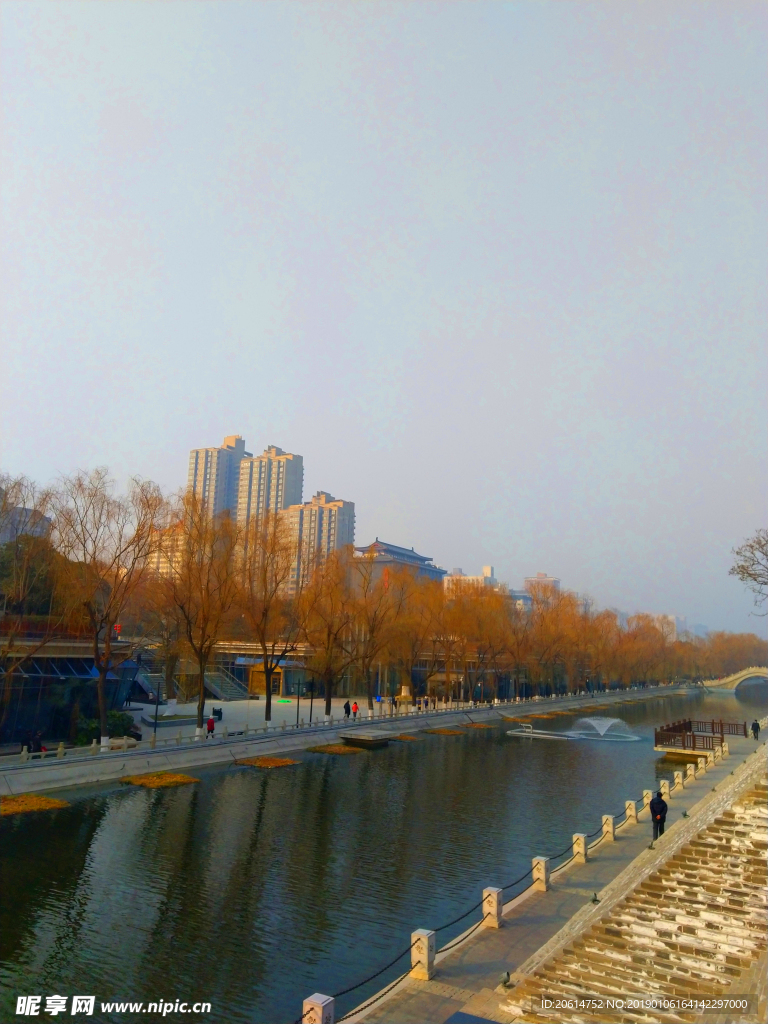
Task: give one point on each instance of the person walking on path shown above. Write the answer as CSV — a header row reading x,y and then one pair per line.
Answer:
x,y
355,709
211,725
347,709
756,729
659,815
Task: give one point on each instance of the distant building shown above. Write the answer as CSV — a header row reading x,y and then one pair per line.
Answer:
x,y
18,522
390,557
214,474
269,482
667,626
318,527
456,580
521,600
540,579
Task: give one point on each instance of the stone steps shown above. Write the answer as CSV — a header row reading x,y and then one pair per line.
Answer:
x,y
690,929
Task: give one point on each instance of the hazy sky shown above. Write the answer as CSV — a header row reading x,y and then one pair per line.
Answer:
x,y
496,270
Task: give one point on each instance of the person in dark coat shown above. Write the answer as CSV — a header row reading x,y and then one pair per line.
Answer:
x,y
658,814
756,729
347,709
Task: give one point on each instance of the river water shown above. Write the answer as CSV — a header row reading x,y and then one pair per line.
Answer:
x,y
256,888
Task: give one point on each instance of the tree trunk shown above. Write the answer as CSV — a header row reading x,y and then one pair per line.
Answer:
x,y
268,673
201,697
328,681
369,687
170,667
102,695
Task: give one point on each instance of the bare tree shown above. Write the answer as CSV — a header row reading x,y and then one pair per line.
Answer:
x,y
328,619
197,556
29,599
270,594
105,541
377,603
751,566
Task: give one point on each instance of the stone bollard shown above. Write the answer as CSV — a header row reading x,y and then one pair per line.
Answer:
x,y
726,751
630,808
701,765
125,742
664,787
647,797
609,829
690,773
580,847
541,873
60,749
422,954
282,726
245,727
24,754
710,759
718,752
225,732
493,904
302,724
319,1009
678,780
94,747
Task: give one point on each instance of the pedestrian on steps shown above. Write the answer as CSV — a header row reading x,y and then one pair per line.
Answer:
x,y
659,815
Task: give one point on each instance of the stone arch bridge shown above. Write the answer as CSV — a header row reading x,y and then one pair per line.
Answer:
x,y
731,682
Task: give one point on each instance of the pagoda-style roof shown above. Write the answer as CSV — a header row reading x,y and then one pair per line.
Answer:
x,y
381,551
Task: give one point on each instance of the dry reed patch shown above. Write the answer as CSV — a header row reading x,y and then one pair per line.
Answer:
x,y
478,725
158,780
335,748
509,718
268,762
445,732
28,802
404,738
541,716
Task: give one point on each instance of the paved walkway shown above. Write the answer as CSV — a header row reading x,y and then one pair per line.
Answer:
x,y
466,978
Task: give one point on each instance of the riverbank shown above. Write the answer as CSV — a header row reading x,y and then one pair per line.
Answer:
x,y
466,977
83,766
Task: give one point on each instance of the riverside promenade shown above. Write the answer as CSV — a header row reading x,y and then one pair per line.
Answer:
x,y
538,943
87,765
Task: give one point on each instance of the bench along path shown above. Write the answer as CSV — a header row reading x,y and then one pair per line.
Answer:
x,y
694,904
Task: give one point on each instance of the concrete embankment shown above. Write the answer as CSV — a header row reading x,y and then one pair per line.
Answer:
x,y
682,918
81,767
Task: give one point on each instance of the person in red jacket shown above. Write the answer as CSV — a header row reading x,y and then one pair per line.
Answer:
x,y
211,725
355,709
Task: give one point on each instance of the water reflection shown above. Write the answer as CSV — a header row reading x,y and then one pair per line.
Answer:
x,y
253,889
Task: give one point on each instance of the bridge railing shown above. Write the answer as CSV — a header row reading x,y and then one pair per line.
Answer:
x,y
683,740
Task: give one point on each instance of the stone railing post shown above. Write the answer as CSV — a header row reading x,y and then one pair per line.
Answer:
x,y
664,787
24,756
422,954
690,773
319,1009
580,847
718,752
493,905
541,873
726,751
701,765
60,749
609,829
630,809
647,797
94,747
710,759
678,780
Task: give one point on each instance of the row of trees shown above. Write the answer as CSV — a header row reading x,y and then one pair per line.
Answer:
x,y
180,581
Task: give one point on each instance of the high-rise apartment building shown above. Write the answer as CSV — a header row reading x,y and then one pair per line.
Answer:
x,y
456,581
214,474
318,527
541,579
269,482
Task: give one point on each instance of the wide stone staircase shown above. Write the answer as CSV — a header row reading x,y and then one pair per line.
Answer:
x,y
690,930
